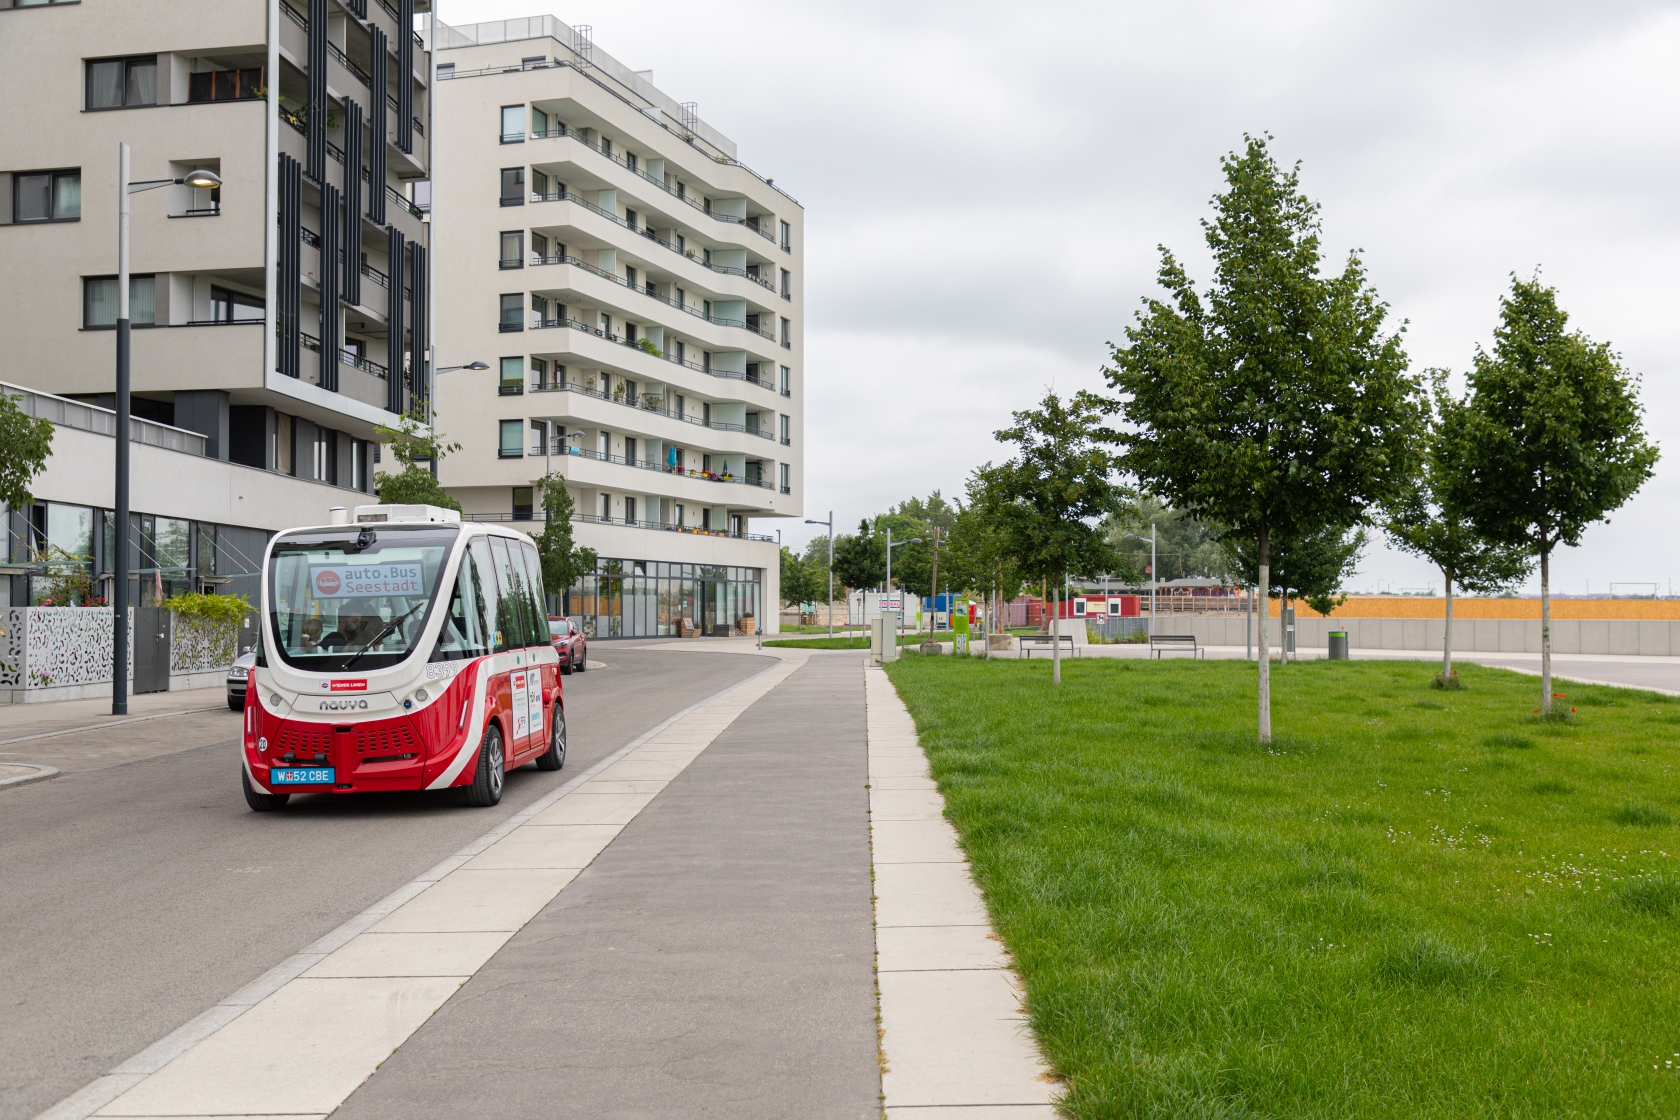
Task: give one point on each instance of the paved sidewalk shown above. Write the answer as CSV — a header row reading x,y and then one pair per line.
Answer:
x,y
19,721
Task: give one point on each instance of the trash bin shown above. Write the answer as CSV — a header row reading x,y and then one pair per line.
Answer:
x,y
1338,645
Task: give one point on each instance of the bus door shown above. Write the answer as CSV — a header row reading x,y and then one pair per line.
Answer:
x,y
541,679
515,622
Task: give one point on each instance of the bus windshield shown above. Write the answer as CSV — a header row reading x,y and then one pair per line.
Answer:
x,y
340,599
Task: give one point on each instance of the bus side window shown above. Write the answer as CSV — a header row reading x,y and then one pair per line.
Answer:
x,y
462,634
510,615
490,599
534,594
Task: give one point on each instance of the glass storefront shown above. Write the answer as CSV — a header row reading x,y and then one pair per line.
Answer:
x,y
651,599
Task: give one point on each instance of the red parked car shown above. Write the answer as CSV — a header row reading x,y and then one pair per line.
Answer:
x,y
569,643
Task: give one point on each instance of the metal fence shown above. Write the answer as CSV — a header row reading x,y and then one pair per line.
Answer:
x,y
1116,629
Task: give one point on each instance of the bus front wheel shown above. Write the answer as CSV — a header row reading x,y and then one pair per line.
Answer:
x,y
258,801
556,756
486,788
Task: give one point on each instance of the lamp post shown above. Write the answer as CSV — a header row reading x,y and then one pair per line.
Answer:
x,y
204,180
431,395
1152,575
830,524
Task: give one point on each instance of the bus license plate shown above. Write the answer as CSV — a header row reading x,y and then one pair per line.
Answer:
x,y
301,776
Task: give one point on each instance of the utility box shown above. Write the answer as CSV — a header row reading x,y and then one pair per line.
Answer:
x,y
883,638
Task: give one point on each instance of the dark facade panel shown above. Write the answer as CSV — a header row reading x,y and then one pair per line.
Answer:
x,y
332,323
315,126
405,75
394,355
288,299
353,133
379,61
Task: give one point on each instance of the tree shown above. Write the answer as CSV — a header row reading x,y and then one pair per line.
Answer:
x,y
1186,546
1312,566
860,560
1276,405
25,443
1552,439
800,582
1042,502
1425,520
410,444
564,562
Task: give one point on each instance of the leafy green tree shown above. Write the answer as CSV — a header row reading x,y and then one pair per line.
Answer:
x,y
800,583
1310,567
25,443
410,444
1185,546
1553,439
564,561
1044,500
1276,405
1425,520
860,559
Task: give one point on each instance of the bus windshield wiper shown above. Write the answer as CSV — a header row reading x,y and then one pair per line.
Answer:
x,y
380,637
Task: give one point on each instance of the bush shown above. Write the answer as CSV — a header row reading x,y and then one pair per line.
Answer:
x,y
227,610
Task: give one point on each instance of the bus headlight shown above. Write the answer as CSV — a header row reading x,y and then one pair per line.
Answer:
x,y
420,695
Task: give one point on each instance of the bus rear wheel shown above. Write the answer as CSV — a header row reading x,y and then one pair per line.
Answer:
x,y
486,788
258,801
556,756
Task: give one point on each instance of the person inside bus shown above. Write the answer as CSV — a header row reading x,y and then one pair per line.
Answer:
x,y
356,620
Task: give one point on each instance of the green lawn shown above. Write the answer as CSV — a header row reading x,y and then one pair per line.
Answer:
x,y
1416,903
908,638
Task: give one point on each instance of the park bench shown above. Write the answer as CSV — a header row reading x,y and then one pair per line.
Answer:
x,y
1030,642
1184,643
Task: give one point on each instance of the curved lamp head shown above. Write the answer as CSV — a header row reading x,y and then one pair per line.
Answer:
x,y
476,365
204,180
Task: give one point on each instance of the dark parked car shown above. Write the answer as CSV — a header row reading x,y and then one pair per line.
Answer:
x,y
236,678
570,644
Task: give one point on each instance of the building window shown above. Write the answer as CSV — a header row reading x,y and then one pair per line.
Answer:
x,y
787,237
539,437
446,70
787,473
787,333
787,431
358,464
227,306
122,83
513,186
513,440
523,502
513,312
99,301
513,248
513,124
629,511
225,85
787,382
513,377
787,284
47,196
533,61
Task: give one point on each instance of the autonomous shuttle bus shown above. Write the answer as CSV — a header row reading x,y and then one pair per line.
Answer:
x,y
400,650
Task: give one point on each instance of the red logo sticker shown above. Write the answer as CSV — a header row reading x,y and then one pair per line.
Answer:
x,y
348,686
327,582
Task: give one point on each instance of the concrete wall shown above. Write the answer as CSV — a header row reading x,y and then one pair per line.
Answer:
x,y
1611,636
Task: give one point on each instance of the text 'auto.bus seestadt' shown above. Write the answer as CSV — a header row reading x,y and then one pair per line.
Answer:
x,y
401,649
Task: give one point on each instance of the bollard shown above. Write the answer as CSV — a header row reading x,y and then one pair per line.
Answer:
x,y
1338,645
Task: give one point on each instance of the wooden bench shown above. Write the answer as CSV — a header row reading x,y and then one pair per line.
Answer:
x,y
1184,643
1030,642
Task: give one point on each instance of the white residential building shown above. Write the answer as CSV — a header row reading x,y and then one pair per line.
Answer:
x,y
636,292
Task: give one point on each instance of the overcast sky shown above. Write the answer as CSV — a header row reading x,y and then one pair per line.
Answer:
x,y
985,186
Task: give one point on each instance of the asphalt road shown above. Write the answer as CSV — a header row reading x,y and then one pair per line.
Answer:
x,y
136,894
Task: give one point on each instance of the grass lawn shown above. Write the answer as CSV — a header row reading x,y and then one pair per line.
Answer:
x,y
1415,904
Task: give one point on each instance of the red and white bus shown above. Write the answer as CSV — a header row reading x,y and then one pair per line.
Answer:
x,y
401,649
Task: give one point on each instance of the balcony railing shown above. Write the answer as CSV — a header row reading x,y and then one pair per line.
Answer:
x,y
642,404
595,519
624,282
566,196
538,324
366,365
681,472
344,60
91,418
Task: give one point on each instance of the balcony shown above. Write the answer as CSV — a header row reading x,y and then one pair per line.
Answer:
x,y
698,312
680,472
594,519
539,324
648,234
643,404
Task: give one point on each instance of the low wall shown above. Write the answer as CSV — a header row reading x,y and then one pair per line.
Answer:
x,y
1470,635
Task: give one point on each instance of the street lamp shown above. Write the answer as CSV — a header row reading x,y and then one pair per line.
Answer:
x,y
431,393
830,524
1152,574
119,574
890,547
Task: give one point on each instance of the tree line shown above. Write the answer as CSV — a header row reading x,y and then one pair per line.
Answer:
x,y
1273,421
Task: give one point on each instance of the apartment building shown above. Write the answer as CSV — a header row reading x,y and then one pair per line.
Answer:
x,y
282,316
636,291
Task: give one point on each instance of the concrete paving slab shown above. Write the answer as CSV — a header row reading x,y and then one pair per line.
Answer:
x,y
622,786
586,806
930,948
974,1112
925,894
957,1037
879,782
478,901
302,1050
411,954
633,769
906,804
920,841
896,765
547,846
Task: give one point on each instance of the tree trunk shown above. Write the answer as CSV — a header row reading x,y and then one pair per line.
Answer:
x,y
1545,632
1446,643
1056,640
1265,653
